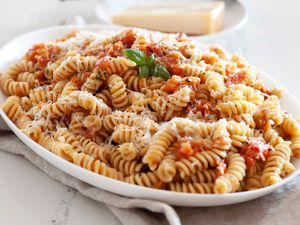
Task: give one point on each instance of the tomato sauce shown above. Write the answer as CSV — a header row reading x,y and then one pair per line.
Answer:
x,y
42,54
221,168
189,148
90,134
172,85
253,150
153,48
128,38
103,63
115,49
237,78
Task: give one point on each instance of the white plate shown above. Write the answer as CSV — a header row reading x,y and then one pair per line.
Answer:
x,y
17,48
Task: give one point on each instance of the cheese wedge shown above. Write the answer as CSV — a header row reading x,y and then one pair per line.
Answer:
x,y
193,18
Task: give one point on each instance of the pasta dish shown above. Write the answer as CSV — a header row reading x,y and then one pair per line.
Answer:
x,y
152,109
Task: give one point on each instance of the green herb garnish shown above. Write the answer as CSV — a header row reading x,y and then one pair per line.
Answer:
x,y
161,71
146,64
144,71
136,56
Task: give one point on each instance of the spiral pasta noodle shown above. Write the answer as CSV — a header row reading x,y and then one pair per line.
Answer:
x,y
58,148
27,77
21,66
205,176
149,179
231,108
158,147
215,84
117,65
119,117
73,64
167,169
199,162
128,151
133,82
201,188
274,164
12,87
180,99
88,162
290,125
272,110
92,84
12,108
254,182
118,91
236,170
295,146
126,167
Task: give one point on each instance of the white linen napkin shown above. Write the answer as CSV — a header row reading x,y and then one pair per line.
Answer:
x,y
280,207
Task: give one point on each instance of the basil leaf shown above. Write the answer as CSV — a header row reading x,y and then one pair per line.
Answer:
x,y
135,55
150,60
161,71
144,71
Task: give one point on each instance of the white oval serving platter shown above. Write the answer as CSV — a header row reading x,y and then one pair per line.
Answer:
x,y
16,48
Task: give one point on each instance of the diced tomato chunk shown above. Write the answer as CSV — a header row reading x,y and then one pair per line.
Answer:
x,y
89,134
267,154
181,37
128,38
249,161
18,91
178,70
196,145
254,150
42,54
221,168
237,78
185,150
103,62
172,85
77,82
153,48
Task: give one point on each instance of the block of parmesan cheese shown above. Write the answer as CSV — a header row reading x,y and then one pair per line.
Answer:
x,y
190,18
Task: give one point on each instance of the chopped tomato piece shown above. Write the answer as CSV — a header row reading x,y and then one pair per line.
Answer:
x,y
181,37
42,54
103,62
185,150
267,154
172,85
115,49
99,52
158,185
128,38
227,71
178,70
173,57
221,168
249,161
253,150
196,145
77,82
153,48
18,91
237,78
89,134
266,91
